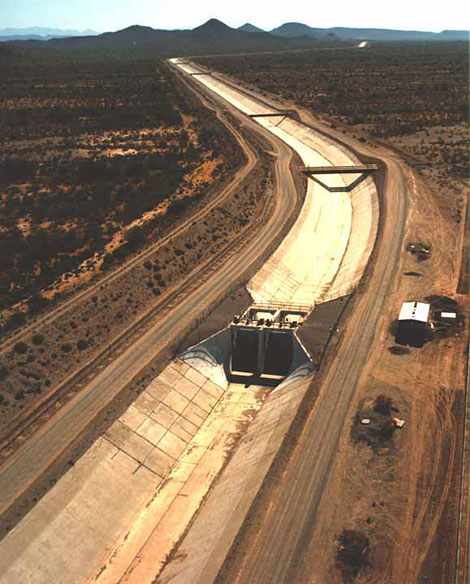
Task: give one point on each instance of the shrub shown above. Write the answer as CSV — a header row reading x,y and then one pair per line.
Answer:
x,y
37,339
16,170
36,303
66,347
20,348
353,550
3,372
19,394
82,345
383,405
135,237
179,205
108,259
16,319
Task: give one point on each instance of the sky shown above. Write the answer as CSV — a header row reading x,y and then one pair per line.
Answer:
x,y
109,15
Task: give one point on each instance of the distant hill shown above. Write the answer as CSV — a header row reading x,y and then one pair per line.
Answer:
x,y
380,34
212,36
132,35
40,33
218,33
297,29
294,30
214,29
250,28
455,35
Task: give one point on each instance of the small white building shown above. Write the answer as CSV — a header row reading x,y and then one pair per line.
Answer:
x,y
450,316
412,324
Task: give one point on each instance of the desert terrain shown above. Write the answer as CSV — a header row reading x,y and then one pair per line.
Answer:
x,y
138,198
73,209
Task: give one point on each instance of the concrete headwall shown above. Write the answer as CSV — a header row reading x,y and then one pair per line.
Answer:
x,y
211,357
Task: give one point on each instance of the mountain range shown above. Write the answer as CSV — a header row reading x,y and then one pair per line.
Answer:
x,y
297,29
212,36
216,37
40,33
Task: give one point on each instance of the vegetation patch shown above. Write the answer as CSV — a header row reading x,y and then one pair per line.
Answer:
x,y
352,554
98,158
448,319
375,423
20,348
422,251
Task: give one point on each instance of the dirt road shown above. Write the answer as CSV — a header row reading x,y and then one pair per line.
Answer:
x,y
462,570
32,459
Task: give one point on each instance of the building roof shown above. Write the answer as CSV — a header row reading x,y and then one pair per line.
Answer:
x,y
448,315
414,311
